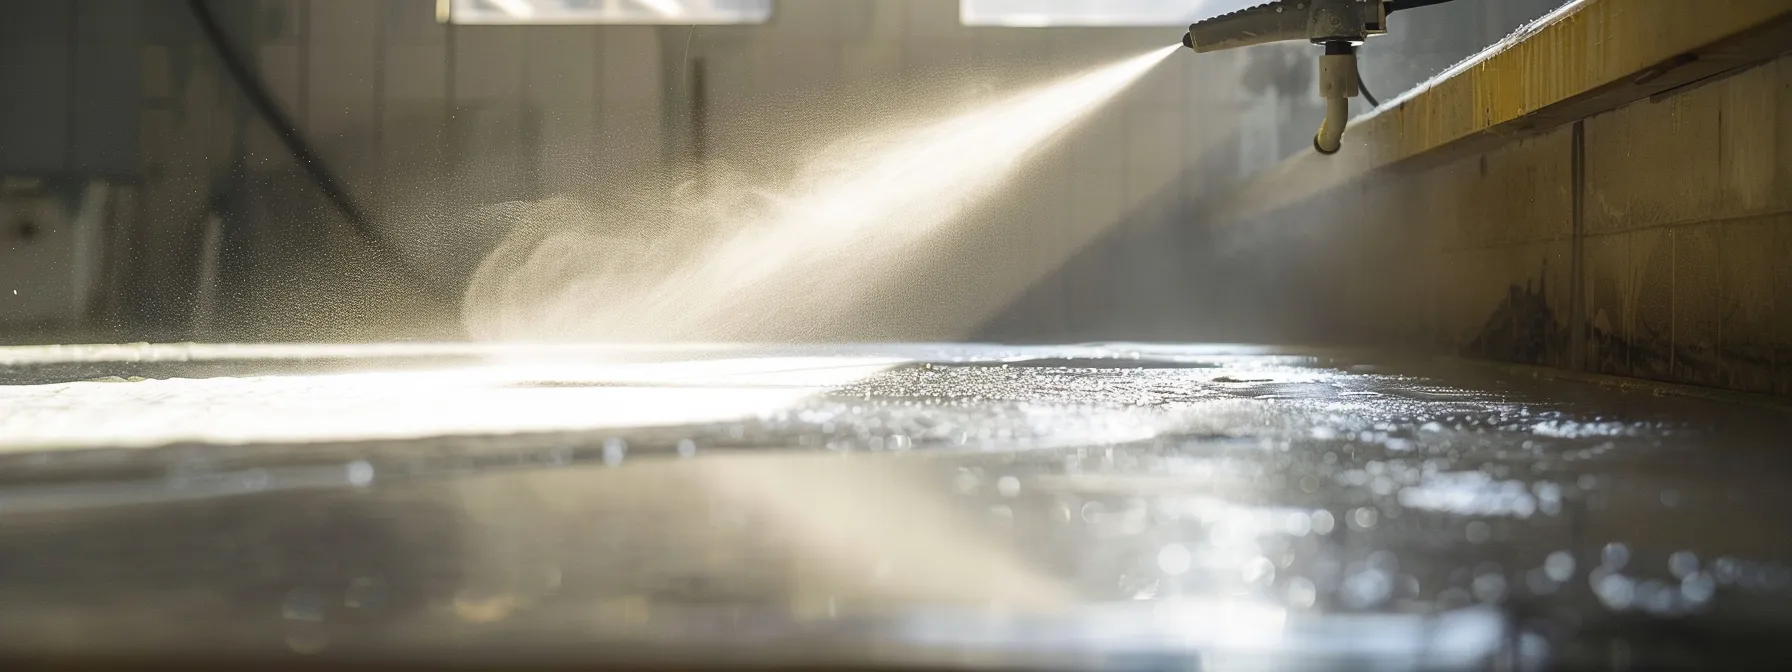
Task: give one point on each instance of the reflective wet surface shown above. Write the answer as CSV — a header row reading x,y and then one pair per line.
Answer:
x,y
1113,506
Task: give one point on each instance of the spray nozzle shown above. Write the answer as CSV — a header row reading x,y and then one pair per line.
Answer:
x,y
1338,25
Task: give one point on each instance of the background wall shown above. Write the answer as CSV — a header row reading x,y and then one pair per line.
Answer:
x,y
1650,241
222,237
71,92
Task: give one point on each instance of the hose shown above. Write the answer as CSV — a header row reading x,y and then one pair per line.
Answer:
x,y
1364,89
1397,5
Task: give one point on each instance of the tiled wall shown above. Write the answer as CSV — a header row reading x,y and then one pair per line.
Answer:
x,y
67,88
420,121
1689,235
1659,252
424,122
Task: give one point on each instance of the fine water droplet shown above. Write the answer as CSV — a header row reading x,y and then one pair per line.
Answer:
x,y
360,473
1302,593
1174,559
1617,591
1364,518
687,448
1297,524
1683,564
1615,556
1698,588
1489,587
1366,589
1479,532
1382,485
1658,598
1549,498
965,482
1559,566
1726,570
1091,511
614,450
1323,522
1009,486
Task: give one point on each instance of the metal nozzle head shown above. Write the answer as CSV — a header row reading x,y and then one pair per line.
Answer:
x,y
1188,40
1319,144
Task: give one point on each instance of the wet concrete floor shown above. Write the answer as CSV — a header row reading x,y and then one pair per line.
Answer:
x,y
1108,506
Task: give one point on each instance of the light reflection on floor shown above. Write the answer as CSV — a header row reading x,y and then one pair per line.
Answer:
x,y
521,396
1250,507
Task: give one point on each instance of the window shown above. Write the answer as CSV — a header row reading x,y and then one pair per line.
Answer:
x,y
608,11
1042,13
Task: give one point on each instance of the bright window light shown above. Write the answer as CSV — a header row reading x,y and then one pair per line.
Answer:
x,y
528,12
1045,13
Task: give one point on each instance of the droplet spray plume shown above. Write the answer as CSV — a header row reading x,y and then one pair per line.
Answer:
x,y
732,260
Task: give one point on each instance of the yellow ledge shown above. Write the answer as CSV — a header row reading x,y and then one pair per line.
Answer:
x,y
1588,57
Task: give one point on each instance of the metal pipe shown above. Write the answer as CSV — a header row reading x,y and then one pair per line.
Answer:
x,y
1331,132
1338,83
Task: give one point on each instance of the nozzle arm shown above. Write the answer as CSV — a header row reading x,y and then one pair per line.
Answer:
x,y
1265,23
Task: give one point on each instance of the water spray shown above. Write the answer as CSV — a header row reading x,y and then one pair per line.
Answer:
x,y
746,260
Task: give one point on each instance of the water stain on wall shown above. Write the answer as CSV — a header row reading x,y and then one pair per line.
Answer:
x,y
1522,329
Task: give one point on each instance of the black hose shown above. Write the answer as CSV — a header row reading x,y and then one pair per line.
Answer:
x,y
1393,6
308,159
1363,87
1397,5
